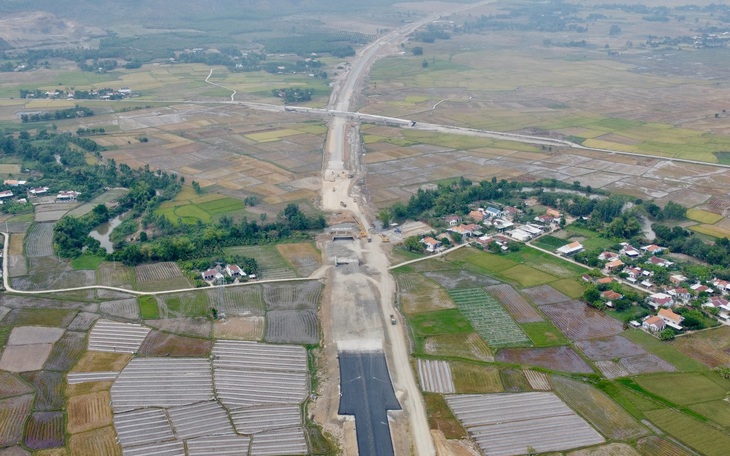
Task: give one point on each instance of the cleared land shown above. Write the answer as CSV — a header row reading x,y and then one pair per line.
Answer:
x,y
24,358
293,296
506,424
455,279
467,346
420,294
579,321
557,358
98,441
245,328
303,256
472,378
544,294
240,301
158,343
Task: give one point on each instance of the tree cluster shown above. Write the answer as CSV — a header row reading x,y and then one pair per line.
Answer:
x,y
69,113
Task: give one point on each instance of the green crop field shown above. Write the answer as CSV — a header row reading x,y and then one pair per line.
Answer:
x,y
488,317
544,334
526,276
693,432
86,262
148,307
550,243
190,208
684,389
440,322
703,216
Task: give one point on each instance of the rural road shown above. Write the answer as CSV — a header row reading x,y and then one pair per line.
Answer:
x,y
318,274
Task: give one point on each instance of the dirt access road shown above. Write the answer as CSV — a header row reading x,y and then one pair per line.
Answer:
x,y
356,311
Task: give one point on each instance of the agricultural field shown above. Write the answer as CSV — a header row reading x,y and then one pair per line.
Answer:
x,y
238,301
488,318
508,423
708,347
418,294
579,321
472,378
464,345
272,264
38,241
303,256
189,207
292,326
293,296
521,310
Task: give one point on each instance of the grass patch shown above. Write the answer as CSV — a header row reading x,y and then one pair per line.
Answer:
x,y
192,304
515,381
465,346
691,431
633,402
703,216
544,334
526,276
572,288
86,262
490,262
550,243
440,417
475,378
665,351
450,321
683,389
711,230
148,307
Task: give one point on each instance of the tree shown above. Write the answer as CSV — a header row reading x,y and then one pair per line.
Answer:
x,y
417,50
591,295
614,30
666,334
424,64
385,217
196,187
412,244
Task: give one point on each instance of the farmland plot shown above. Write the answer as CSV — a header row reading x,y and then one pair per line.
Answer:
x,y
162,382
157,271
488,317
557,358
281,441
116,337
579,321
293,296
252,420
292,326
74,378
199,420
196,327
515,380
303,256
49,389
93,361
467,346
218,445
45,430
472,378
521,310
538,380
644,364
88,411
115,274
420,294
608,417
99,441
609,348
244,328
238,300
700,436
122,308
435,376
13,413
460,278
506,424
142,426
545,294
159,343
66,351
174,448
12,385
24,358
657,446
26,335
186,304
39,241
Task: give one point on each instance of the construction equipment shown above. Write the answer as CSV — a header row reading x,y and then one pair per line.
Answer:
x,y
384,238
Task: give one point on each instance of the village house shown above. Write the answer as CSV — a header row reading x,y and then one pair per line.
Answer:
x,y
605,280
657,261
654,324
608,256
653,249
234,271
677,279
38,191
511,212
614,265
629,251
670,318
532,229
69,195
721,285
6,194
476,215
453,220
609,296
210,274
14,182
718,303
633,274
544,219
520,235
493,212
432,245
501,224
570,249
699,288
679,294
658,300
466,230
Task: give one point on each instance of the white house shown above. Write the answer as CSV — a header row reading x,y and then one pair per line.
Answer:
x,y
234,271
570,249
38,191
6,194
69,195
432,245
